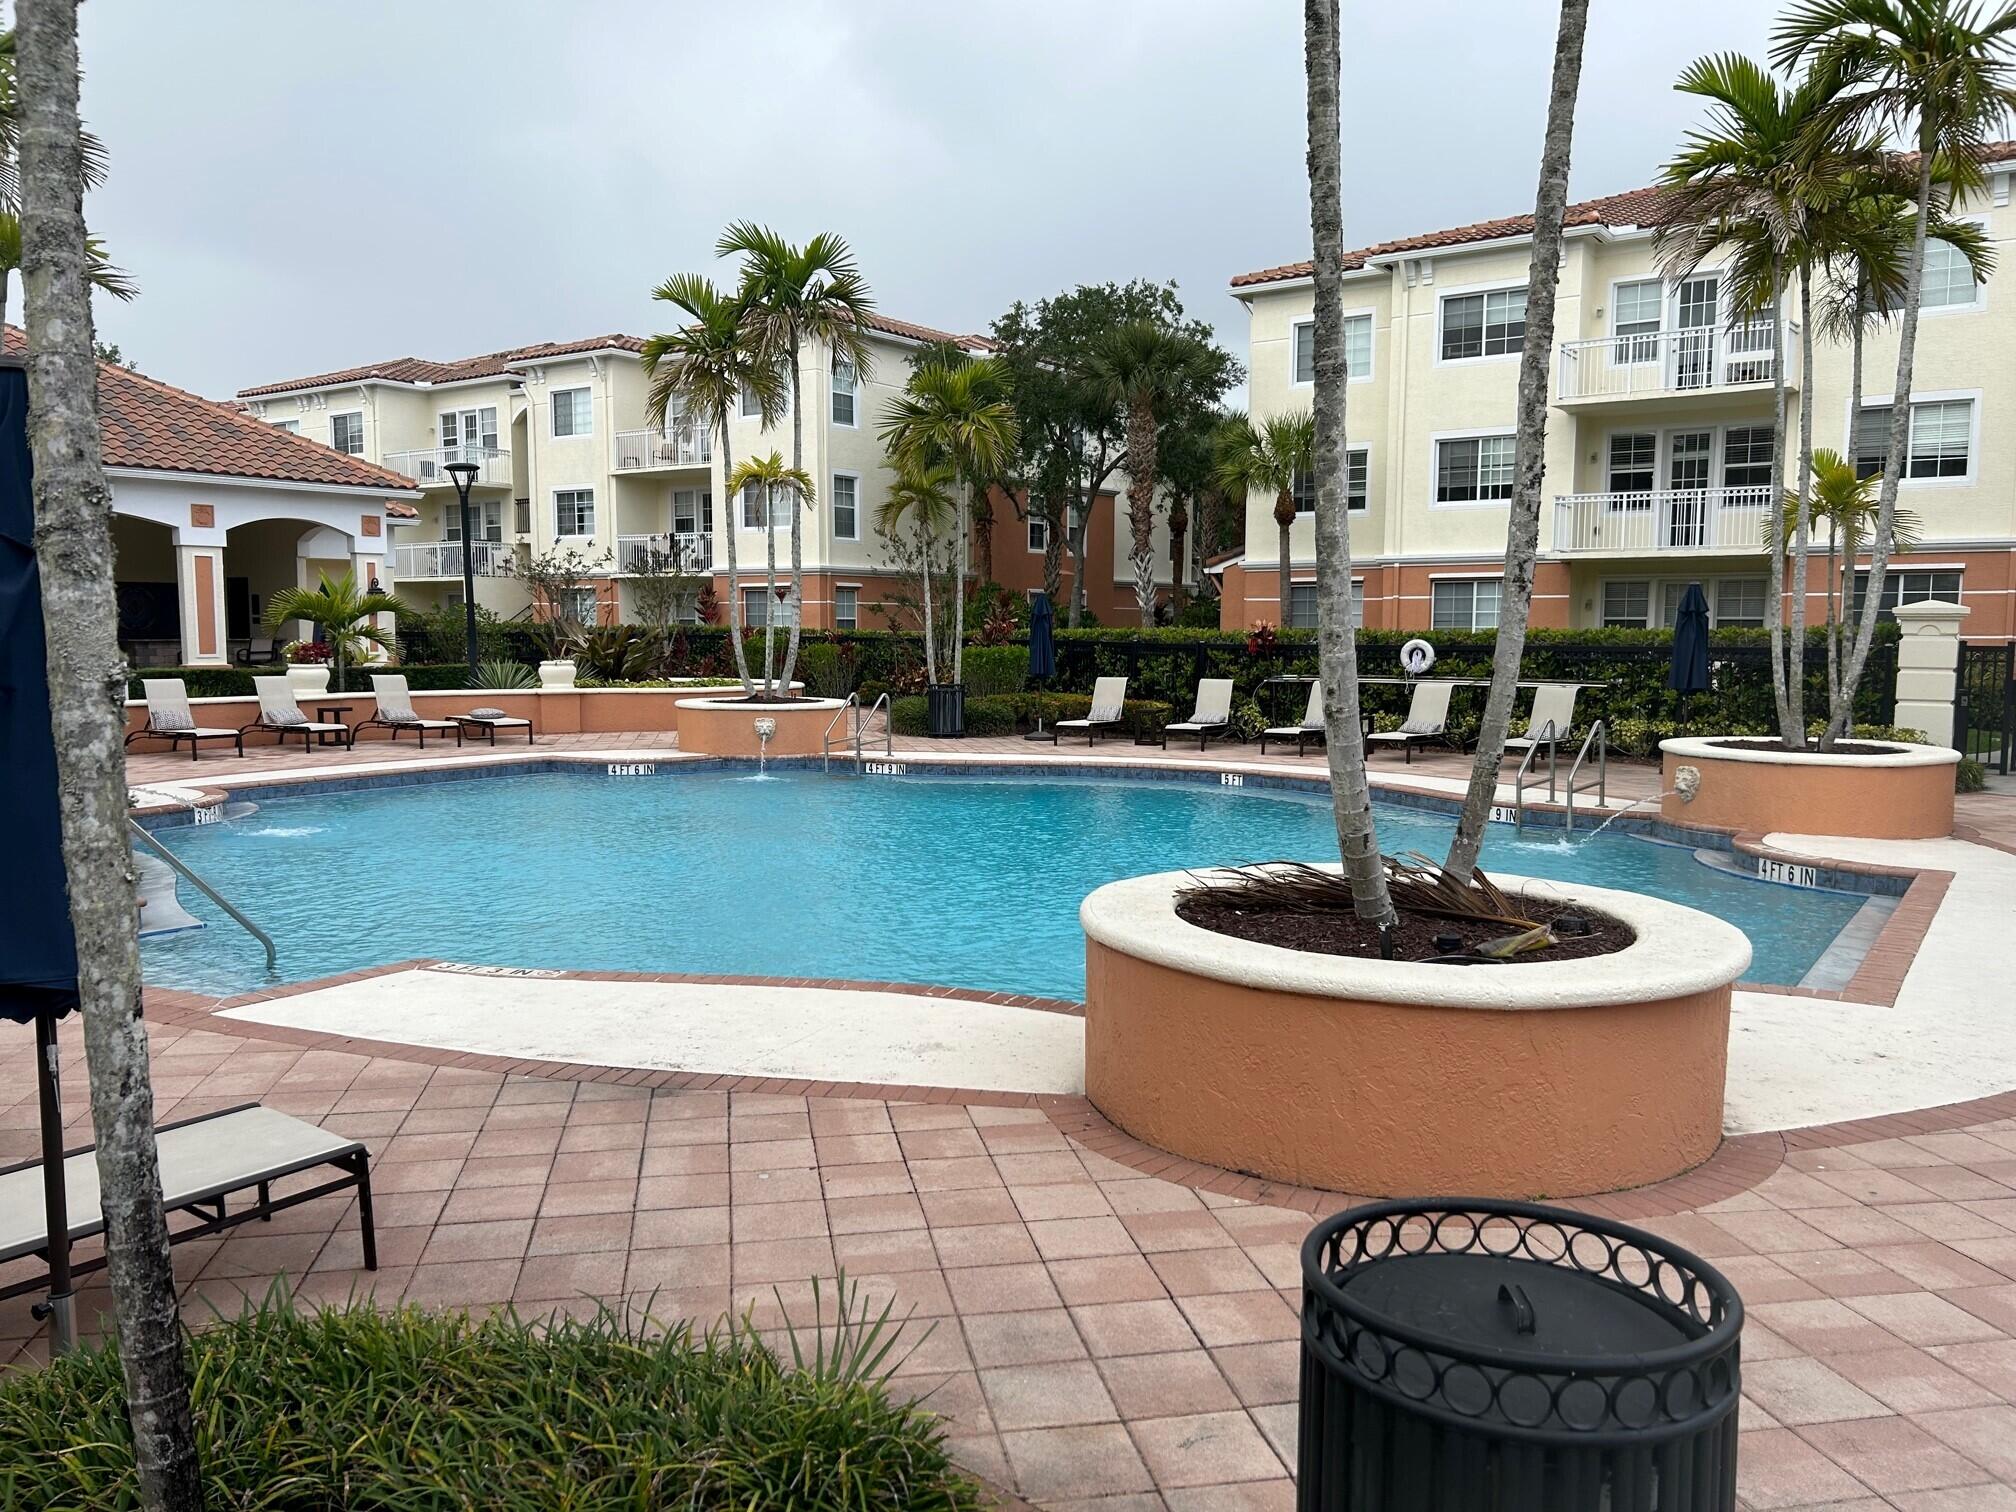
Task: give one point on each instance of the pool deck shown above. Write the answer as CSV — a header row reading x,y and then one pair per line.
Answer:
x,y
1115,1329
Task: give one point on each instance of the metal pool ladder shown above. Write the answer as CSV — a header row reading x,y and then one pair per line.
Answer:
x,y
857,734
1597,739
182,868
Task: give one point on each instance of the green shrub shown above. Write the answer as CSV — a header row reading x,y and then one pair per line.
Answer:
x,y
353,1408
1969,776
827,670
989,670
206,682
503,674
441,634
1198,614
1248,721
418,675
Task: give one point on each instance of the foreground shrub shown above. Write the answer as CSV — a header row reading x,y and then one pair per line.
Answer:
x,y
357,1410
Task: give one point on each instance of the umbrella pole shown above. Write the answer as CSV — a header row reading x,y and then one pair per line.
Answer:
x,y
61,1307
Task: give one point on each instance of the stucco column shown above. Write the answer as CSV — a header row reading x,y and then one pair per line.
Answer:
x,y
1928,668
199,588
366,569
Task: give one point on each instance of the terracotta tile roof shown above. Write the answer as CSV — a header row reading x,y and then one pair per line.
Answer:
x,y
1634,207
149,424
400,511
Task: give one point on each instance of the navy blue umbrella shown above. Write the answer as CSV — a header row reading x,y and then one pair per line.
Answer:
x,y
1042,636
1689,672
38,950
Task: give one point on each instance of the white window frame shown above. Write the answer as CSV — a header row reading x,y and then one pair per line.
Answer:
x,y
1858,580
1980,301
834,392
1296,327
1618,339
853,620
1714,589
553,413
292,427
744,393
356,416
1442,298
571,597
1973,397
1295,489
593,519
1495,579
486,515
833,500
1435,440
1037,524
452,440
1654,587
781,505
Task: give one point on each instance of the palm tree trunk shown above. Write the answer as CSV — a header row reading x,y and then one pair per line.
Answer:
x,y
798,507
1788,730
983,532
1284,521
956,620
1802,523
1833,636
1522,544
924,578
769,594
1337,642
1077,536
1837,720
1141,506
1894,454
731,522
1179,565
87,681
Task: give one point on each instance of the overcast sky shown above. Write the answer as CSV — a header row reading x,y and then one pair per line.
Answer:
x,y
300,187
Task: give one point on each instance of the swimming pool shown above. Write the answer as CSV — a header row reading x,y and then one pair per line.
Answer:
x,y
964,881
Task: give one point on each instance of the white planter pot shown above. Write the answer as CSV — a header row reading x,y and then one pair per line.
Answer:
x,y
308,679
556,675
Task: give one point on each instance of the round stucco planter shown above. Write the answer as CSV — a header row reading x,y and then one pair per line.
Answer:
x,y
557,673
1906,793
1383,1078
727,726
308,679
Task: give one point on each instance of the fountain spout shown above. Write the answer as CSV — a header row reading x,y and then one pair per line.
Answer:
x,y
765,729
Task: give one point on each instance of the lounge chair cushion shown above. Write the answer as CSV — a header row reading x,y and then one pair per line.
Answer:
x,y
283,717
1421,727
169,711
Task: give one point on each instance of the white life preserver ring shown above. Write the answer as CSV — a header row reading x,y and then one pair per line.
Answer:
x,y
1417,656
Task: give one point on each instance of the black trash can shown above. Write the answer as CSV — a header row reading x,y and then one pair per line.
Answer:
x,y
945,708
1505,1357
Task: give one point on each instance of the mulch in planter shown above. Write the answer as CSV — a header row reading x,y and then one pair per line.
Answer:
x,y
1840,748
1343,933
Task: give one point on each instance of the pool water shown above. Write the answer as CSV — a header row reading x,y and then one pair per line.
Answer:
x,y
967,882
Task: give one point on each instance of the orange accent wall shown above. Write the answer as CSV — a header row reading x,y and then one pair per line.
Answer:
x,y
1019,568
206,605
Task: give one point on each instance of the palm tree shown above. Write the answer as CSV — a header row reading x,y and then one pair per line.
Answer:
x,y
1522,534
98,270
791,295
1941,73
773,480
1270,459
346,614
954,413
1143,367
924,500
703,367
1336,636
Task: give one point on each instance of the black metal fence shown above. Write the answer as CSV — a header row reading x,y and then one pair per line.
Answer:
x,y
1984,704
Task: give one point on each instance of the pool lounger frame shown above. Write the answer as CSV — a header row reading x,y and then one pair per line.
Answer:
x,y
208,1203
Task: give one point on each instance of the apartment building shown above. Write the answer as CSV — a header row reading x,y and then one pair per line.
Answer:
x,y
1659,439
566,459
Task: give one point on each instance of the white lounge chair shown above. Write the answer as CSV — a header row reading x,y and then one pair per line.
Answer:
x,y
279,714
169,718
204,1161
1310,729
492,720
1427,719
1553,716
395,711
1213,715
1109,695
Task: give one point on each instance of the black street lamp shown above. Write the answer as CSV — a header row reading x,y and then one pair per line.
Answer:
x,y
464,474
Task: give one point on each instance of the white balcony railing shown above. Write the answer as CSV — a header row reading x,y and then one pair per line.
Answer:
x,y
678,445
1695,360
443,559
1666,519
428,465
681,552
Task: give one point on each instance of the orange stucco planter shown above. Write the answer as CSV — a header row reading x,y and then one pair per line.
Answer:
x,y
1387,1078
1904,794
727,726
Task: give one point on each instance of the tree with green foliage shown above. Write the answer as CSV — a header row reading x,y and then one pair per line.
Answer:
x,y
1267,459
346,614
98,269
774,482
912,519
551,578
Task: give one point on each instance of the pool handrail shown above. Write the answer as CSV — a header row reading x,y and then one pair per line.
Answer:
x,y
141,833
859,729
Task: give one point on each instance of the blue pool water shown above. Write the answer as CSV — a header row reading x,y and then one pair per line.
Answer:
x,y
969,882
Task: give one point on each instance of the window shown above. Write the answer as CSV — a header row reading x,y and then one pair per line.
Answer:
x,y
1746,456
846,512
1635,314
752,508
845,391
1039,533
1474,468
750,409
846,608
1301,606
1949,280
1302,488
1633,462
471,428
581,606
1357,473
346,433
486,515
1909,588
1357,603
1357,349
574,511
292,427
1940,444
692,512
757,609
1483,325
1466,604
573,413
1740,601
1627,602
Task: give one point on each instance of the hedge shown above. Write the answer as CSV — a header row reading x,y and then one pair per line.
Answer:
x,y
1008,713
236,682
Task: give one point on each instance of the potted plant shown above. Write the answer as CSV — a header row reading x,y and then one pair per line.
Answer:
x,y
308,667
347,617
554,579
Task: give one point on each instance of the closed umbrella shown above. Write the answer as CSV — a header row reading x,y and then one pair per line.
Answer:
x,y
38,950
1042,646
1689,672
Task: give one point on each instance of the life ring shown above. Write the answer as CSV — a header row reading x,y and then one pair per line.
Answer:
x,y
1417,656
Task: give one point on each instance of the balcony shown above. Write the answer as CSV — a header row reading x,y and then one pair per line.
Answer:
x,y
428,465
678,445
1710,361
680,552
443,559
1669,519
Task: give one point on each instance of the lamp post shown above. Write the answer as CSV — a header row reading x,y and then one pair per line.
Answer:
x,y
464,474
